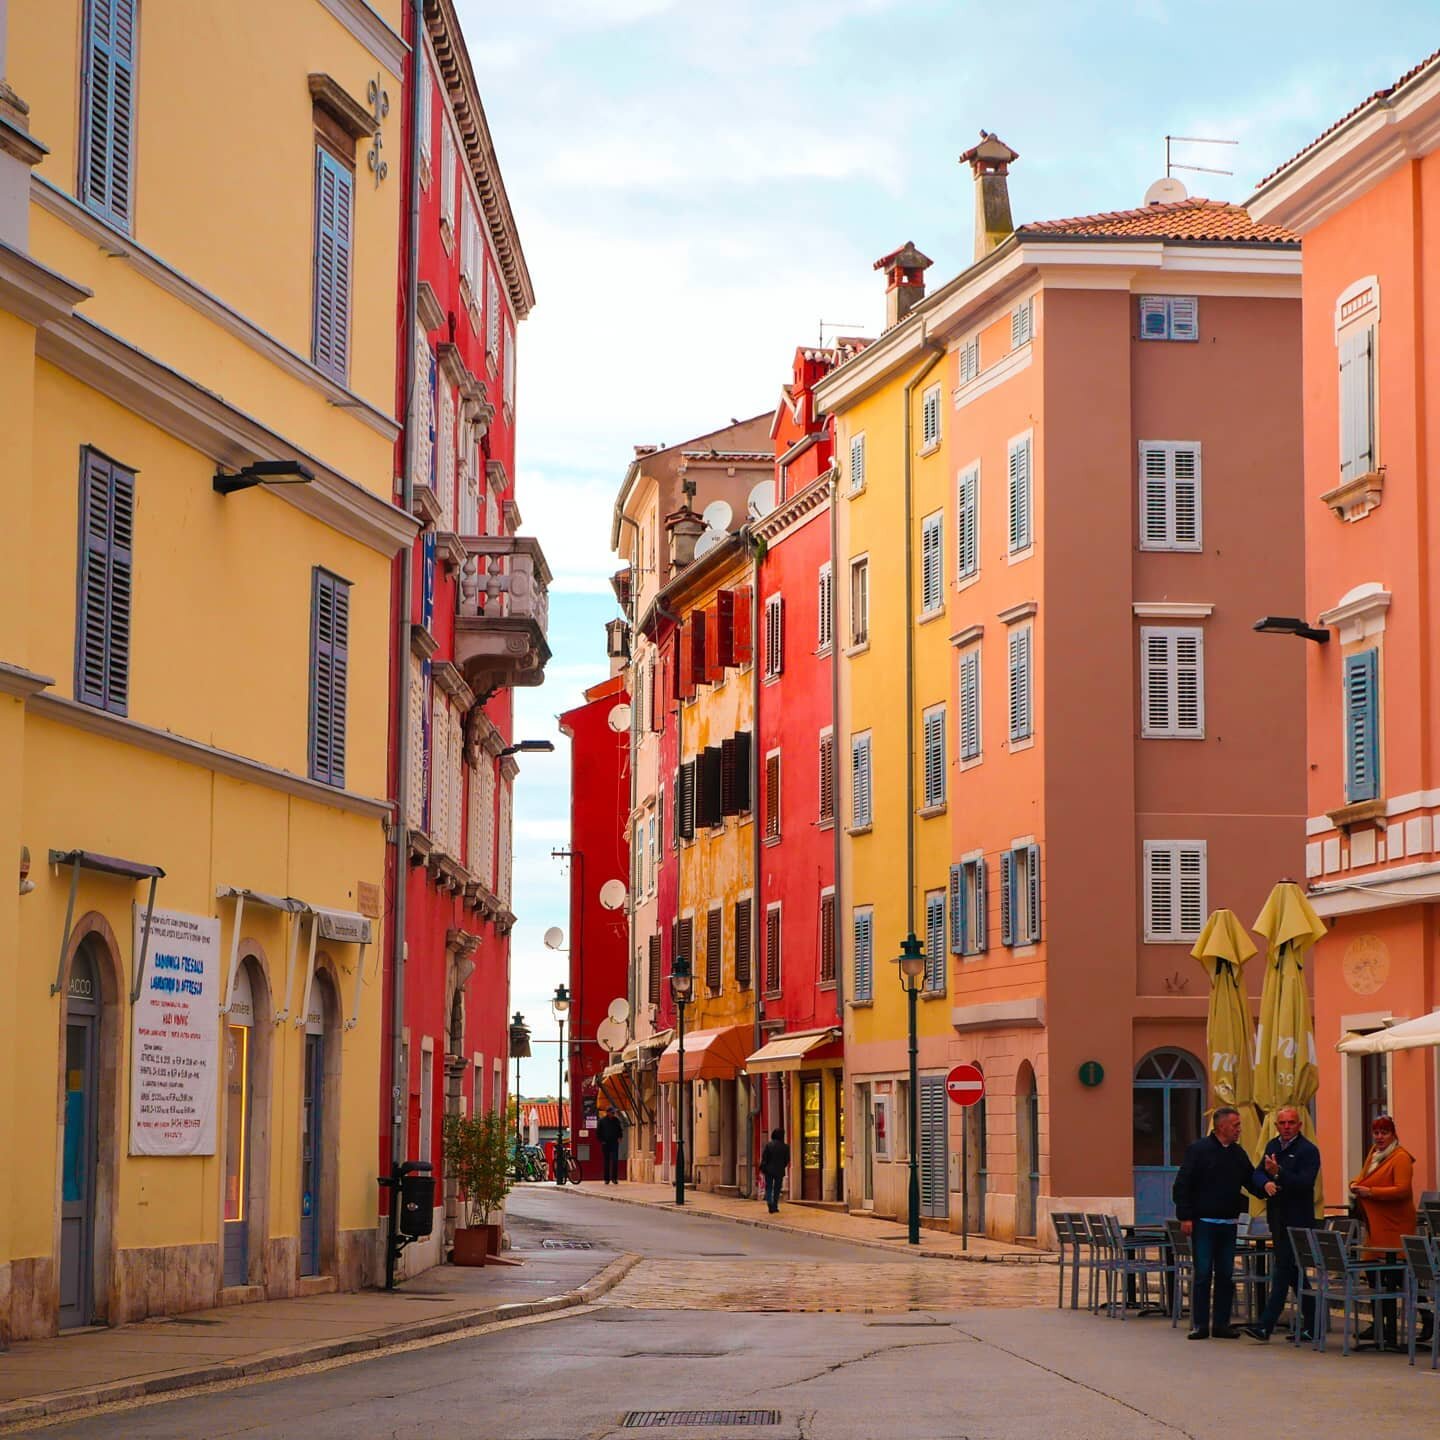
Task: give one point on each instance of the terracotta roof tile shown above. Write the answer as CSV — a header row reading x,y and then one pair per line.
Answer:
x,y
1350,114
1192,219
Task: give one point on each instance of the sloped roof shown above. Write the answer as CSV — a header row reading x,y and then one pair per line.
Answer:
x,y
1372,98
1194,219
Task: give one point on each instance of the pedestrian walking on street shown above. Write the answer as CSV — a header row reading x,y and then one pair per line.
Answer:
x,y
774,1162
1287,1173
1209,1197
610,1132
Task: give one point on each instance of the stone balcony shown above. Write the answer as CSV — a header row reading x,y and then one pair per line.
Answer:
x,y
501,630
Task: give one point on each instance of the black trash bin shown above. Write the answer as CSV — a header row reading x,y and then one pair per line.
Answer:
x,y
417,1199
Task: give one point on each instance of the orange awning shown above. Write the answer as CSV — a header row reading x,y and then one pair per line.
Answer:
x,y
709,1055
794,1051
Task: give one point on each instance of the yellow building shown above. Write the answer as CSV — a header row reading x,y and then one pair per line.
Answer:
x,y
197,301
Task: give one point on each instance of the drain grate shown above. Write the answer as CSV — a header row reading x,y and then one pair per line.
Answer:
x,y
567,1244
654,1419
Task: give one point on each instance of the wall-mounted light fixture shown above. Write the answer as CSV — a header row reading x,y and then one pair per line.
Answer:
x,y
528,747
1292,625
262,472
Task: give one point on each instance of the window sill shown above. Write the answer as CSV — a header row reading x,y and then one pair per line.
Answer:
x,y
966,581
822,651
1025,948
929,449
1170,735
973,954
1172,939
859,1004
928,812
771,677
826,985
1028,743
825,824
1016,556
1157,547
853,491
926,616
971,763
1356,813
858,648
447,235
772,840
773,995
858,829
1354,499
932,994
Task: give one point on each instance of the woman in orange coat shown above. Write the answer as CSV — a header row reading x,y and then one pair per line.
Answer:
x,y
1383,1190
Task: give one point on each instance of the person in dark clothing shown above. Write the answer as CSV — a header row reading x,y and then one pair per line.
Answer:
x,y
1208,1200
609,1131
1287,1174
774,1162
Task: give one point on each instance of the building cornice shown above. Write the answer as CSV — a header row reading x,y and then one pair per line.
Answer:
x,y
207,757
1172,610
33,292
118,246
813,497
201,419
372,32
17,680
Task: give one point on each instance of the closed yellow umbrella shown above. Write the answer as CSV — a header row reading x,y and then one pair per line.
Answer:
x,y
1285,1070
1223,948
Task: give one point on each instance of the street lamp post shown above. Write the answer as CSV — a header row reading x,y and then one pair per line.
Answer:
x,y
681,984
519,1048
559,1005
911,961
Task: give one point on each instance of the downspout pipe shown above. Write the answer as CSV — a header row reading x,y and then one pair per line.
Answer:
x,y
937,353
632,964
838,828
757,958
403,607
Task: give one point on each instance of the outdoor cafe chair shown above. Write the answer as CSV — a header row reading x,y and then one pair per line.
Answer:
x,y
1253,1268
1346,1226
1102,1262
1345,1279
1427,1220
1074,1242
1307,1282
1132,1259
1422,1286
1182,1268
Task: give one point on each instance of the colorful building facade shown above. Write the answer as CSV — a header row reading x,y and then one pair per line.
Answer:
x,y
197,558
1364,196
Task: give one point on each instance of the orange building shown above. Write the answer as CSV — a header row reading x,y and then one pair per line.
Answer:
x,y
1366,198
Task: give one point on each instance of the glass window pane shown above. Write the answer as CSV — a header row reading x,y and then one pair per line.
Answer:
x,y
1149,1126
1185,1120
237,1077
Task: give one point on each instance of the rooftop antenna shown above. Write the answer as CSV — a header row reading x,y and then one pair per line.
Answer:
x,y
1173,165
839,326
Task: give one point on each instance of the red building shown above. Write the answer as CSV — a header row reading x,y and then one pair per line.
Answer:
x,y
598,732
470,619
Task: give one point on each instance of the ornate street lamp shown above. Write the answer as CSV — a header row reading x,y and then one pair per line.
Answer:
x,y
911,961
519,1048
559,1005
682,982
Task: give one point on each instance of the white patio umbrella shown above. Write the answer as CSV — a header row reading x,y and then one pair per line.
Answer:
x,y
1417,1034
534,1126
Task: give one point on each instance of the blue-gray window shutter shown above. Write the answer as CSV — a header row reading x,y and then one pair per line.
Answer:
x,y
329,676
935,942
1362,726
1007,898
978,938
105,584
957,909
334,205
107,124
1032,898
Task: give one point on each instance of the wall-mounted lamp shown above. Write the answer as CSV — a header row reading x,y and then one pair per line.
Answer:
x,y
262,472
528,747
26,883
1292,625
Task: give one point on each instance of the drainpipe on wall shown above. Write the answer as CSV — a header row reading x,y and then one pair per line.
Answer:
x,y
835,833
681,1108
743,1176
632,975
937,353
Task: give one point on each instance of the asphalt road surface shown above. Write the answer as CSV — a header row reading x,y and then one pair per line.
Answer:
x,y
826,1341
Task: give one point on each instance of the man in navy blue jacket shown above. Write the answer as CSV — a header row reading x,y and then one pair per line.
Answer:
x,y
1287,1173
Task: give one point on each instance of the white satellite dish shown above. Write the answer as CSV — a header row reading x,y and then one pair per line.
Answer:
x,y
706,543
612,1035
554,938
1166,191
619,1010
717,516
761,500
613,894
619,718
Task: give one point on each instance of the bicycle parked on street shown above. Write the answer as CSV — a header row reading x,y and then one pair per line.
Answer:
x,y
529,1163
567,1167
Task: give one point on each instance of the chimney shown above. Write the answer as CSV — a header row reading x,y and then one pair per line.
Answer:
x,y
685,528
904,281
989,162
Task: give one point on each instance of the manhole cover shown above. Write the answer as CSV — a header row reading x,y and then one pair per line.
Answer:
x,y
654,1419
567,1244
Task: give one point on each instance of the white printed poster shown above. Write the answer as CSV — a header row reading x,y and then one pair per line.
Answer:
x,y
175,1049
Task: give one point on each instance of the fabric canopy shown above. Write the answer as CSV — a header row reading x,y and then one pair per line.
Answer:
x,y
789,1052
1223,949
709,1055
1417,1034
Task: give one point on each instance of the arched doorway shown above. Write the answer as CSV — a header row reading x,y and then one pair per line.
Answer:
x,y
80,1148
977,1172
247,1126
1169,1103
319,1128
1027,1150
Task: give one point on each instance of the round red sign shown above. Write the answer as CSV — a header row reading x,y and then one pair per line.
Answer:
x,y
965,1085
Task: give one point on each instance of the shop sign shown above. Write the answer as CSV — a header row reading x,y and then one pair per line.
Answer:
x,y
175,1044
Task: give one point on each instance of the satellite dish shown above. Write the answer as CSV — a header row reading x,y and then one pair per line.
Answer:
x,y
761,500
612,1035
619,1010
619,718
706,543
717,516
613,894
1166,191
554,938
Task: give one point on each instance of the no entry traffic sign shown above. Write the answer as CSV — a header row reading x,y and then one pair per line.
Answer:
x,y
965,1085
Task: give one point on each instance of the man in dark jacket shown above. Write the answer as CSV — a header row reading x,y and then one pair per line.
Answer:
x,y
609,1132
774,1162
1208,1199
1287,1173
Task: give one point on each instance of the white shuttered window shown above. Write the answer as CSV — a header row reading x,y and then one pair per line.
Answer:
x,y
935,756
861,811
1020,494
825,608
1022,720
857,463
1172,683
1170,495
415,761
930,418
967,523
1175,890
1357,404
860,601
932,563
863,978
970,704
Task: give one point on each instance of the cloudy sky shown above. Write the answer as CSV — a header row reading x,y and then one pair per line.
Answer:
x,y
700,185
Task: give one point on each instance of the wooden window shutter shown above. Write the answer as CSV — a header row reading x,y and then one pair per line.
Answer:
x,y
1020,533
1185,463
742,944
743,797
674,940
863,956
967,552
957,909
772,797
713,929
685,801
655,696
729,779
772,950
1184,317
415,810
827,777
1020,678
1032,896
105,583
979,938
1007,898
935,942
860,809
686,941
686,646
1362,726
857,463
744,629
654,976
334,204
697,628
1357,405
930,417
774,635
1154,318
709,764
1191,867
970,705
827,939
935,756
824,607
1020,324
1154,496
932,580
107,127
329,676
723,650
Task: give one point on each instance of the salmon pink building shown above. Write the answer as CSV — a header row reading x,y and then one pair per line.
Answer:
x,y
1366,198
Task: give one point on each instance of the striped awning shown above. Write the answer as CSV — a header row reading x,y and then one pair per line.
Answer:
x,y
796,1050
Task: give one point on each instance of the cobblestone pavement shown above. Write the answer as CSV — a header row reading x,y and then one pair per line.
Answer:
x,y
770,1285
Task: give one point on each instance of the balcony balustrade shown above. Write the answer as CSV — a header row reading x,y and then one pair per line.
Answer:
x,y
501,629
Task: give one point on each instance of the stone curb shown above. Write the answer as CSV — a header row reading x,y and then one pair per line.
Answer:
x,y
1039,1257
75,1401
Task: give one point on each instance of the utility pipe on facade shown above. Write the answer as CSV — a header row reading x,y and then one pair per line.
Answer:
x,y
631,962
838,828
666,614
752,1107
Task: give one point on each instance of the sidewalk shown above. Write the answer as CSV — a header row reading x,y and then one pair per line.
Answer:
x,y
832,1224
78,1371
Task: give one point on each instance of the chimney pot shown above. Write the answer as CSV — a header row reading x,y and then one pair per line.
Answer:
x,y
904,281
990,162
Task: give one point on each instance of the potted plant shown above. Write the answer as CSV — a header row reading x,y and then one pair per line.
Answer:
x,y
477,1158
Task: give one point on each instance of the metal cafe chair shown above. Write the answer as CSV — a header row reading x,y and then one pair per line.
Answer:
x,y
1345,1278
1102,1262
1182,1262
1346,1226
1308,1284
1073,1240
1422,1287
1131,1259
